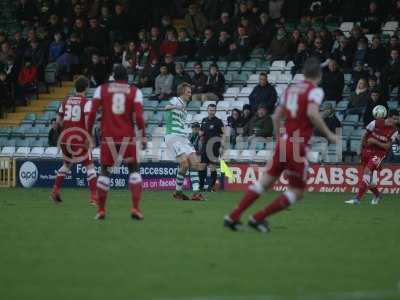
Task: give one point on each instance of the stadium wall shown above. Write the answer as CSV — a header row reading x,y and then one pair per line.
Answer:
x,y
161,176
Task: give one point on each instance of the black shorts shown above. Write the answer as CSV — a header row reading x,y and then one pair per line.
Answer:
x,y
213,156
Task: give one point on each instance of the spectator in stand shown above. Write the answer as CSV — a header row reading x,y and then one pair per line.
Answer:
x,y
144,81
358,72
37,55
129,58
375,98
300,57
294,42
275,9
333,82
26,12
240,48
19,44
263,94
155,37
163,84
116,55
166,25
235,124
279,47
395,11
260,125
199,83
371,24
11,68
54,133
180,77
186,46
376,56
355,37
207,47
146,55
118,23
391,73
5,51
96,71
105,18
247,114
70,60
360,54
310,38
54,25
264,31
326,37
330,118
57,47
343,55
224,24
79,29
96,38
170,63
27,81
223,44
215,85
393,44
359,98
320,53
6,99
195,21
169,45
374,85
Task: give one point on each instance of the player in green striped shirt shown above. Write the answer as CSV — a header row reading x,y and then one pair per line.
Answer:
x,y
179,145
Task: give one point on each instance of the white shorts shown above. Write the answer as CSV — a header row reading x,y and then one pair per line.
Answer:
x,y
178,145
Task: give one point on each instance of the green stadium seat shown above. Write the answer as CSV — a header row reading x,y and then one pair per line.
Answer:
x,y
257,53
5,132
222,65
161,106
150,105
32,132
234,66
250,65
194,106
18,132
189,66
350,120
206,65
262,66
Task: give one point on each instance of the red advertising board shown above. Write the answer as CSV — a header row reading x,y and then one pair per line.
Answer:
x,y
321,178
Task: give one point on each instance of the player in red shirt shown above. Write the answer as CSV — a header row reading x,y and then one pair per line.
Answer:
x,y
300,109
122,106
375,144
75,141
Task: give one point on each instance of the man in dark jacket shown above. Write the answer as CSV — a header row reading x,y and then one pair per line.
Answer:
x,y
264,93
392,71
330,119
333,82
260,124
199,83
208,46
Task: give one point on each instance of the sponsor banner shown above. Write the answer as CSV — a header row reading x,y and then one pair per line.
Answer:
x,y
322,178
42,173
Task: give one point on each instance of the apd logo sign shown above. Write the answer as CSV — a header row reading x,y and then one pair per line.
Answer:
x,y
28,174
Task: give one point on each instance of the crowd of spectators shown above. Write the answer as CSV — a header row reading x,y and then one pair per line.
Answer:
x,y
91,36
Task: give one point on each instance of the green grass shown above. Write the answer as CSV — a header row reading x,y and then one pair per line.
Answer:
x,y
320,249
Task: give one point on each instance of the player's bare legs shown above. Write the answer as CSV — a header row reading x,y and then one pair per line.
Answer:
x,y
253,192
103,187
135,187
61,172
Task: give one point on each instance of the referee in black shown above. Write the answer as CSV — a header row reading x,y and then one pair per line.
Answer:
x,y
211,133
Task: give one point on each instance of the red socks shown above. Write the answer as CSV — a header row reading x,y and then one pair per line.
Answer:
x,y
280,203
362,189
59,179
135,187
252,194
103,186
92,182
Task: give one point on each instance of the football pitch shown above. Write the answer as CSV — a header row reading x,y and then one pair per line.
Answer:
x,y
319,249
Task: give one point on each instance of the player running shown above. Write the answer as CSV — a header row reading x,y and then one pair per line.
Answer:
x,y
75,140
375,144
121,106
300,109
179,145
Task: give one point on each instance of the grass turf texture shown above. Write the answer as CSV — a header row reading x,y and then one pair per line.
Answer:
x,y
320,249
